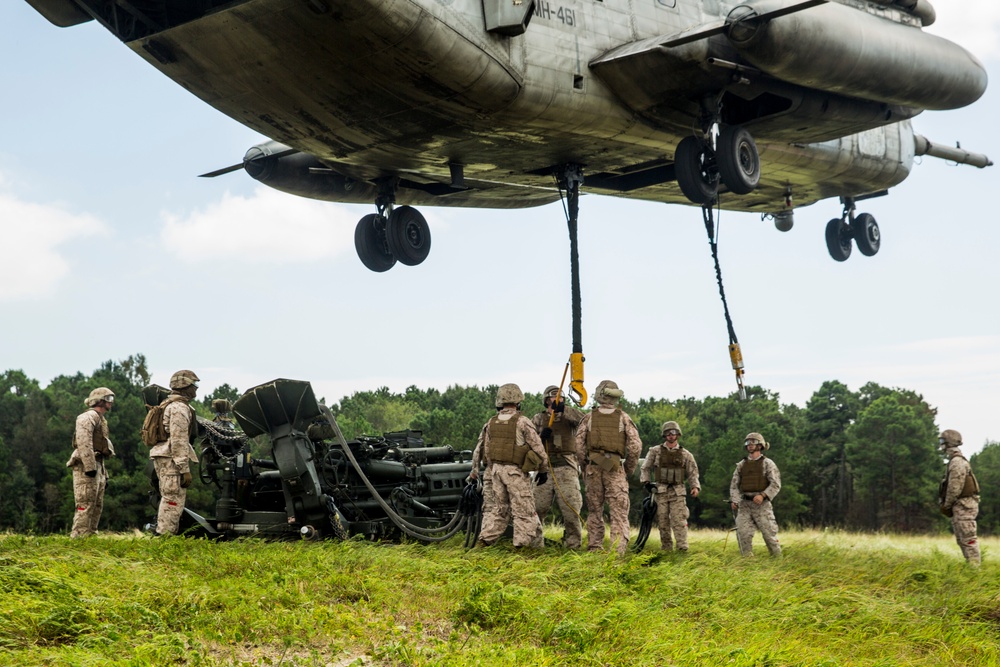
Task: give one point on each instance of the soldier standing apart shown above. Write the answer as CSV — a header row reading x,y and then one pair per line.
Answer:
x,y
756,482
511,447
563,484
959,496
91,446
674,466
173,456
609,445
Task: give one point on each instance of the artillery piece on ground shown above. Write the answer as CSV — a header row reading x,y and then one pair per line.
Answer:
x,y
319,485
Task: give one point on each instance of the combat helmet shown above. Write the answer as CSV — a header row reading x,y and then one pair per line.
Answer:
x,y
509,393
608,392
756,438
182,379
950,438
98,395
671,426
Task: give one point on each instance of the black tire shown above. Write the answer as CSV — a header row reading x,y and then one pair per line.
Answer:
x,y
370,246
694,172
738,160
866,234
408,235
838,239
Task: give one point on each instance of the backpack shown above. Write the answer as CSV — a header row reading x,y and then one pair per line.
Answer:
x,y
153,430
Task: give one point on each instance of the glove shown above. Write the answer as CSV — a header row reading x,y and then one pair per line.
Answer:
x,y
559,406
91,473
546,433
541,478
186,480
948,512
650,487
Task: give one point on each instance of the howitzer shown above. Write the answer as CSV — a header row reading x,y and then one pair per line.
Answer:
x,y
317,484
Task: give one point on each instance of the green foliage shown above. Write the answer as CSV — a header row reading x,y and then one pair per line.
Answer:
x,y
853,459
986,467
835,600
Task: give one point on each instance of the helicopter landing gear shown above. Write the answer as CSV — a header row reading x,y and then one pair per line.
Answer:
x,y
393,234
862,230
733,161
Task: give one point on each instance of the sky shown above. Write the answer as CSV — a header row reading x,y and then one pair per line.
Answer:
x,y
112,246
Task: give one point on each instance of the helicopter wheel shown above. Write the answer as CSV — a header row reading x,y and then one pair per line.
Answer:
x,y
866,234
738,160
694,171
370,242
408,235
838,239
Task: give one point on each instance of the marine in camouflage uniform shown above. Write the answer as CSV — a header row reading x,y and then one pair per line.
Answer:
x,y
91,447
756,482
675,469
562,484
609,446
172,457
959,496
511,448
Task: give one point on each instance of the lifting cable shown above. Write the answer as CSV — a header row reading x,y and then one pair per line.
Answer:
x,y
734,346
571,179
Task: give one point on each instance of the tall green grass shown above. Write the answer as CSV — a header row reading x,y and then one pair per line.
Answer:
x,y
834,599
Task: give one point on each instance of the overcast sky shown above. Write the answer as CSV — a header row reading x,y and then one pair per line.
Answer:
x,y
104,219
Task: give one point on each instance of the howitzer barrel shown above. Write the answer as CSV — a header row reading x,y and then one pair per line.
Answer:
x,y
840,49
923,146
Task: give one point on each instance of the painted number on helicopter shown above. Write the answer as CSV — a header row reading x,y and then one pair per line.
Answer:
x,y
549,12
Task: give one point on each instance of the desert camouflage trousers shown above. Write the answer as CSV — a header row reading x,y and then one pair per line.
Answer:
x,y
611,488
511,497
963,523
672,517
172,496
759,517
568,499
88,496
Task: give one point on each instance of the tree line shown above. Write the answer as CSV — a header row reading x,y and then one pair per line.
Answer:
x,y
858,460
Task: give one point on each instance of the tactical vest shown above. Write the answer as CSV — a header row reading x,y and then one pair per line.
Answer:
x,y
969,489
604,435
752,479
561,443
502,445
99,439
672,469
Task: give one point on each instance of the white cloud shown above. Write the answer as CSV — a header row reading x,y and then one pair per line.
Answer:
x,y
269,226
31,263
975,24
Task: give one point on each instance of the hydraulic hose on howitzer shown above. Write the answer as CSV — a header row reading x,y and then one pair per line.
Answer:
x,y
735,355
571,179
416,532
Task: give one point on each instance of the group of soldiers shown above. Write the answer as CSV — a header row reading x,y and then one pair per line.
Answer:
x,y
527,465
172,456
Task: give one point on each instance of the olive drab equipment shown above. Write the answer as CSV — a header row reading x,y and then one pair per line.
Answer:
x,y
752,478
672,469
502,445
561,442
157,399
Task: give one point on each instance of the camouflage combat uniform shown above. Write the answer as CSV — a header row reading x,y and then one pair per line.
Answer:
x,y
609,443
673,466
563,483
959,497
91,446
506,440
753,477
171,460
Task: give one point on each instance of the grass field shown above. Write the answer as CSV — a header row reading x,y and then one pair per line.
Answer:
x,y
834,599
